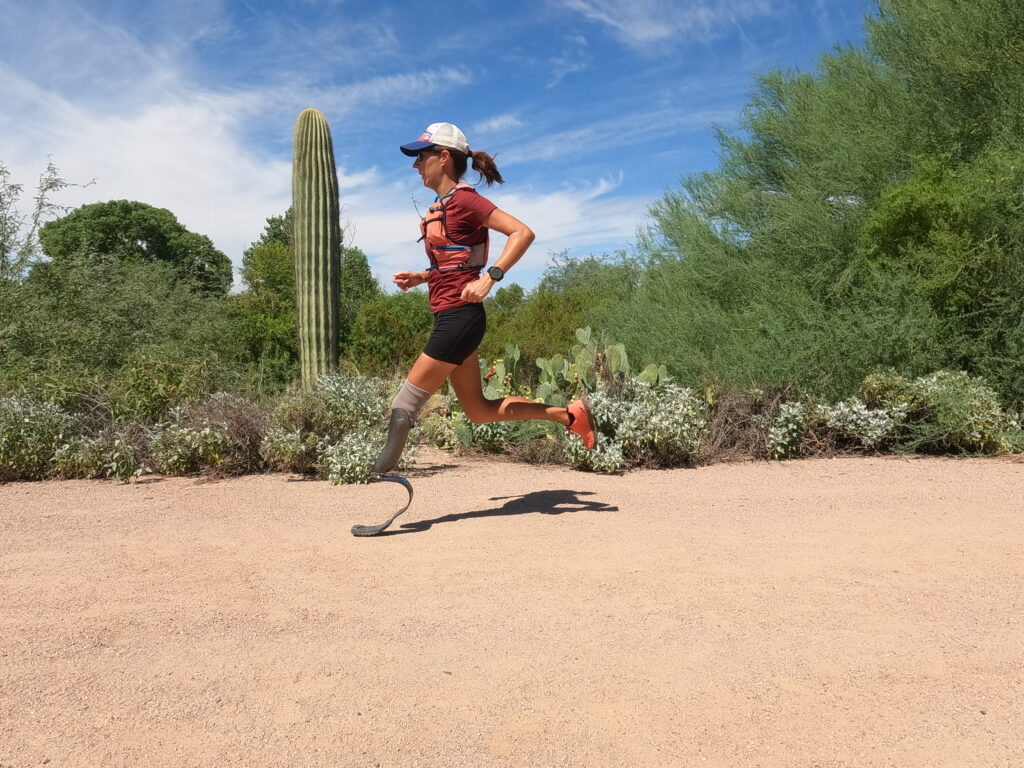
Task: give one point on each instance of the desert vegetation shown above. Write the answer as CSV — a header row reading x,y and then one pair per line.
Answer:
x,y
850,278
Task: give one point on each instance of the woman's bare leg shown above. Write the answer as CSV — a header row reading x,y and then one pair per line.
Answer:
x,y
429,374
469,389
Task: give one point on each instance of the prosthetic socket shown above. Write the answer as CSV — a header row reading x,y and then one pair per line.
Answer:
x,y
404,409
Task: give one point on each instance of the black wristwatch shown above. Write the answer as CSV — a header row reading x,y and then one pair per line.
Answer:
x,y
495,273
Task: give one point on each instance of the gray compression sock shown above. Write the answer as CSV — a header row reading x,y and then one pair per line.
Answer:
x,y
410,398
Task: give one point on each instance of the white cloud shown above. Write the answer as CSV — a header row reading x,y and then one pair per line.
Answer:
x,y
384,90
110,108
577,217
644,22
107,105
183,156
621,130
574,58
497,124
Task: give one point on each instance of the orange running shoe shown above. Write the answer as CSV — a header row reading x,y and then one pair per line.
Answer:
x,y
583,422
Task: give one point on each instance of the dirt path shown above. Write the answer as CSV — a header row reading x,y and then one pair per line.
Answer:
x,y
849,612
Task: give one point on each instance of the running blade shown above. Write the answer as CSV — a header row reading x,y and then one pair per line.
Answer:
x,y
373,530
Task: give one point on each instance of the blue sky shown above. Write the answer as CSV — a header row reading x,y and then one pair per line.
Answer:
x,y
593,108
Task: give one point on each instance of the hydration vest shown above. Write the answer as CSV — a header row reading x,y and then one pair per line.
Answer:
x,y
447,254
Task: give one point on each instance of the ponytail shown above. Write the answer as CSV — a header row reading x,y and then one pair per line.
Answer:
x,y
483,164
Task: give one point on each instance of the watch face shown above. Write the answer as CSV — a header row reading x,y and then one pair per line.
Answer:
x,y
496,273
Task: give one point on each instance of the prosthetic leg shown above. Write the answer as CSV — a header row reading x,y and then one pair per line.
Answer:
x,y
404,409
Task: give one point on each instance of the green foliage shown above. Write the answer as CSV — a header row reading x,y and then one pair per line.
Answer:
x,y
179,450
592,364
786,430
95,313
959,234
125,337
865,213
139,233
642,425
222,436
334,430
278,229
115,452
872,428
389,333
268,272
317,244
350,459
358,286
30,435
543,322
962,65
154,380
806,428
19,233
572,293
946,412
289,451
265,314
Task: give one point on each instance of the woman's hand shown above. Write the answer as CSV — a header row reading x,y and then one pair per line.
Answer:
x,y
407,280
477,290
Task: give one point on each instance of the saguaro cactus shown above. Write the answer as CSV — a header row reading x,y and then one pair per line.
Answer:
x,y
317,243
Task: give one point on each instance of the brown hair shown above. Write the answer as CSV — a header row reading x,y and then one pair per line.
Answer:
x,y
482,164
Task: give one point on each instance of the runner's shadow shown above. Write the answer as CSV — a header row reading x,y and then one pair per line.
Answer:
x,y
542,502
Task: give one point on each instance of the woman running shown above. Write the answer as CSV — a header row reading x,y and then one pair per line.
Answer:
x,y
455,233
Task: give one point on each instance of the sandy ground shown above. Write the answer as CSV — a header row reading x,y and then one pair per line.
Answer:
x,y
846,612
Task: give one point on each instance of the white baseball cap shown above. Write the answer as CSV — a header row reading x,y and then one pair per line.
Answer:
x,y
438,135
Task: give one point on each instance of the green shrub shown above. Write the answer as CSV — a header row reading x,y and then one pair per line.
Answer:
x,y
501,436
156,380
641,425
388,332
786,429
176,449
31,433
335,430
446,426
221,435
350,459
335,405
243,424
952,412
606,457
872,428
290,451
946,412
116,452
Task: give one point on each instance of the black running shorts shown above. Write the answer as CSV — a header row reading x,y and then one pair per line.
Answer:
x,y
457,333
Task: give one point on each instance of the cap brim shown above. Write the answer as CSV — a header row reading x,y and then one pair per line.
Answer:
x,y
415,147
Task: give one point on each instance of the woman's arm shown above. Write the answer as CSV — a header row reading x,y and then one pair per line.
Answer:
x,y
520,237
407,280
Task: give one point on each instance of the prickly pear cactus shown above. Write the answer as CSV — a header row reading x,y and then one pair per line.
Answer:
x,y
317,243
593,364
